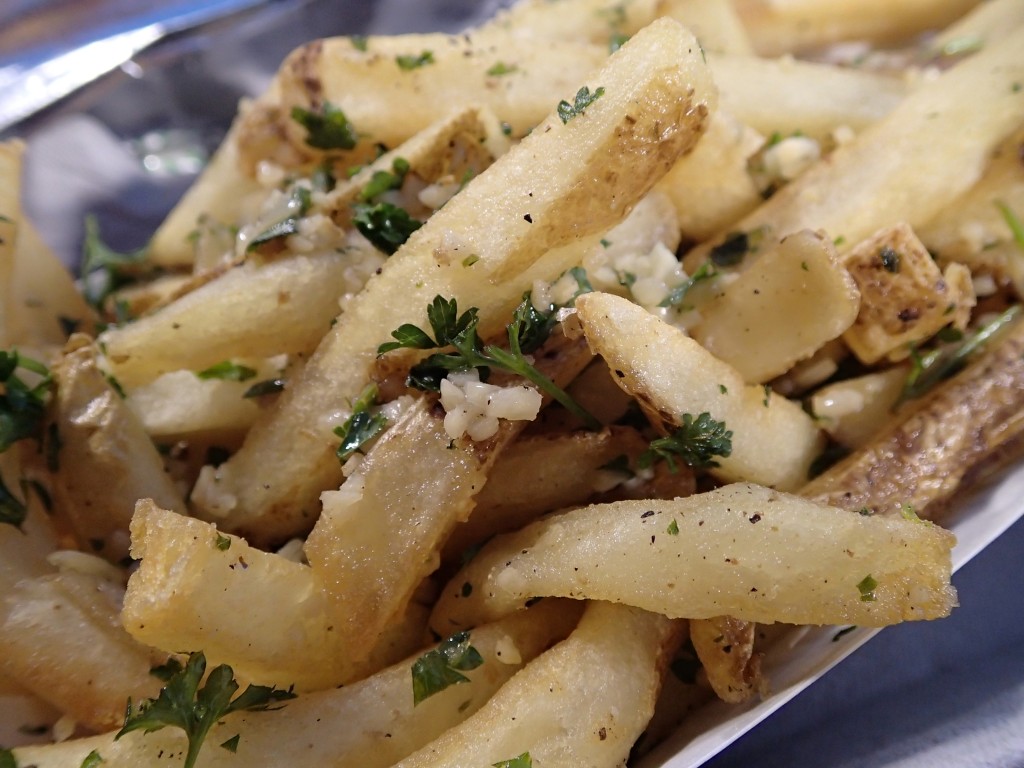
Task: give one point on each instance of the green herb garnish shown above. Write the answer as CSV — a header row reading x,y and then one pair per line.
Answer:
x,y
12,510
866,587
361,427
705,271
527,331
501,68
298,206
584,98
522,761
931,368
327,129
265,387
227,371
696,442
22,407
385,225
384,181
409,62
443,667
183,704
104,270
92,760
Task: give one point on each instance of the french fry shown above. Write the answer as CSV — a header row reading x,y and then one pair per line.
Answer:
x,y
63,641
371,723
725,647
558,710
742,550
773,440
946,443
791,302
654,106
105,460
885,174
789,26
906,299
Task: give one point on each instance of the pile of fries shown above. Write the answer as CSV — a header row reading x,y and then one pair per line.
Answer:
x,y
490,397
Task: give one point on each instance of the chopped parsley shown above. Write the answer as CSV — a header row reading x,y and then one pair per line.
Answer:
x,y
527,331
705,271
361,427
733,249
328,128
183,704
866,587
962,45
443,666
298,206
584,98
385,225
167,670
929,369
12,510
696,442
92,760
231,745
409,62
501,68
104,270
227,371
222,542
384,181
22,406
522,761
358,42
7,759
1013,222
616,41
673,528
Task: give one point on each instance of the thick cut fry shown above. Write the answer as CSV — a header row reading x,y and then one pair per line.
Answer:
x,y
10,213
717,25
372,723
584,702
773,440
284,307
906,299
105,460
785,96
742,551
550,190
791,302
62,640
888,172
190,575
962,431
790,26
725,647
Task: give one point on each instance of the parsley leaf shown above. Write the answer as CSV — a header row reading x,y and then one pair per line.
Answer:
x,y
695,441
327,129
7,759
866,587
501,68
359,42
384,181
361,427
523,761
1013,222
265,387
705,271
92,760
298,206
183,704
12,510
443,667
409,62
227,371
528,329
104,270
22,407
731,251
584,98
929,369
385,225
